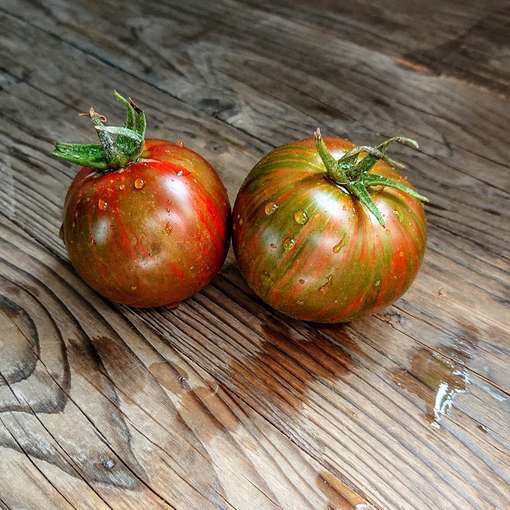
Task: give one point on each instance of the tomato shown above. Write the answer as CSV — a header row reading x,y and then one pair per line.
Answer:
x,y
149,230
326,231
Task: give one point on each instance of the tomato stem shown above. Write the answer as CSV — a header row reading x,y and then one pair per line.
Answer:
x,y
335,171
112,152
354,174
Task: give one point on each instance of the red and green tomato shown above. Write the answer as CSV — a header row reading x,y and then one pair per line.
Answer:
x,y
152,229
309,246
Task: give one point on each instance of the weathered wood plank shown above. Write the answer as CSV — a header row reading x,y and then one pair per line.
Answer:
x,y
477,275
175,45
464,40
185,333
156,441
224,402
455,193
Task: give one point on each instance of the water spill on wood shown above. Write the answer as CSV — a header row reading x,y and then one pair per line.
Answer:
x,y
297,361
122,365
208,413
435,379
170,377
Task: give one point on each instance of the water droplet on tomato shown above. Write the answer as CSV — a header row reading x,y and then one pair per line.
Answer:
x,y
266,278
270,208
301,281
133,287
324,287
300,217
102,204
288,243
300,302
338,246
180,172
122,186
139,183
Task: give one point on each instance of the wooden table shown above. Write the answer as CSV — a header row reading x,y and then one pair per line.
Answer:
x,y
223,403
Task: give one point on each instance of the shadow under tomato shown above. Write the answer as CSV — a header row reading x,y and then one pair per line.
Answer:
x,y
289,362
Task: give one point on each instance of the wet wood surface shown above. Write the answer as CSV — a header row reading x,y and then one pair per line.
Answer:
x,y
223,403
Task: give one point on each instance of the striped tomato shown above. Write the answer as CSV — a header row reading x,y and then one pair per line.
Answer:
x,y
326,231
146,222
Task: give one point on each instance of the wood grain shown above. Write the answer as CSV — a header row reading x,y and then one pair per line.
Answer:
x,y
223,403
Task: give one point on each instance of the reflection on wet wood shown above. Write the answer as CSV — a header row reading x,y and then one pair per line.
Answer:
x,y
221,403
440,380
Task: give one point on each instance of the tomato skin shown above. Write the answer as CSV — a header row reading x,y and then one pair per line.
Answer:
x,y
311,250
151,234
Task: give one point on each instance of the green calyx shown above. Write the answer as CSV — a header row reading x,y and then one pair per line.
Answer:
x,y
110,153
354,175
